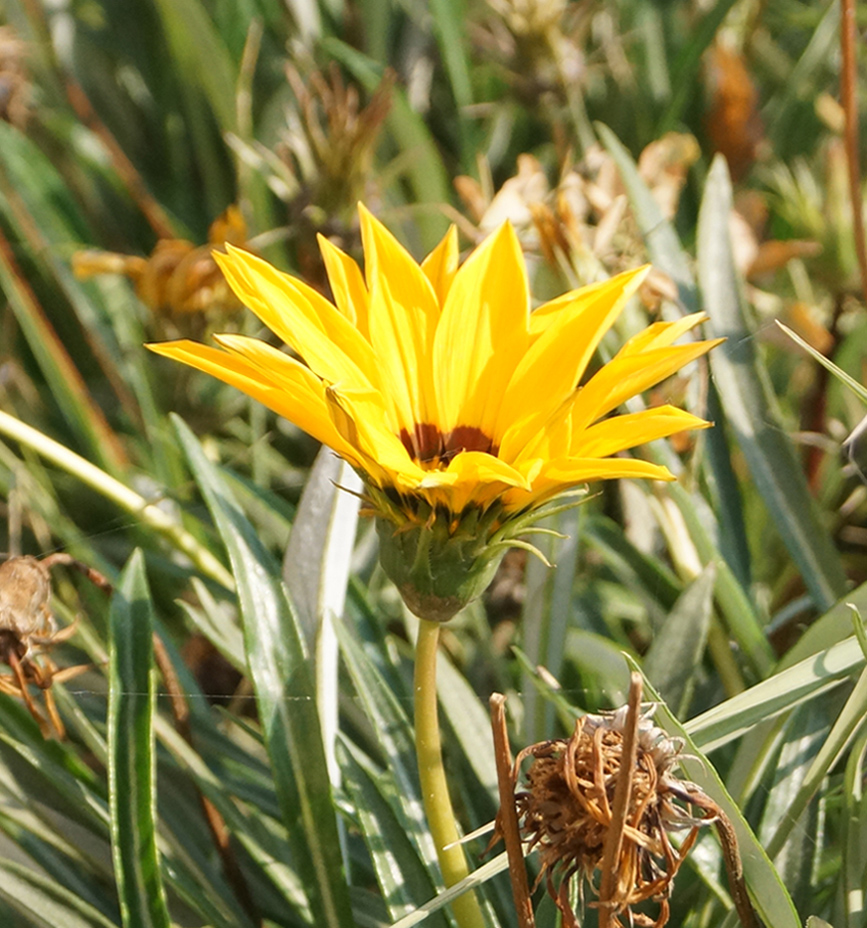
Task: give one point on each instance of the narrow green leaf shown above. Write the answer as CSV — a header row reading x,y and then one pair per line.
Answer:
x,y
316,570
448,19
285,695
477,878
855,835
131,764
750,406
200,54
834,743
46,901
857,388
403,876
547,612
769,895
783,691
686,68
676,650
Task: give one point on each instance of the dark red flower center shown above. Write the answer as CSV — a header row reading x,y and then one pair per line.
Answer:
x,y
428,445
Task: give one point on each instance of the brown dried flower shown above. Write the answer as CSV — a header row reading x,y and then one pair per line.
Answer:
x,y
567,811
28,632
178,277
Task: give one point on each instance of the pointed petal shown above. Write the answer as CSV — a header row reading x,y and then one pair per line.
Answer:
x,y
362,420
555,362
347,284
562,474
482,333
441,264
661,334
329,343
471,477
624,377
290,389
542,316
403,315
628,431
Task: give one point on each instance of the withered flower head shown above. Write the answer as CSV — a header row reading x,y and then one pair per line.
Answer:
x,y
565,812
178,277
328,146
28,632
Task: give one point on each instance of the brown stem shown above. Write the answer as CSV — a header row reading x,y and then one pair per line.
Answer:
x,y
731,857
850,109
73,381
816,403
622,795
508,817
67,560
216,822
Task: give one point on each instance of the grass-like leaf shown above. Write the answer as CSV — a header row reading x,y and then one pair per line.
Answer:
x,y
285,695
769,895
750,407
131,766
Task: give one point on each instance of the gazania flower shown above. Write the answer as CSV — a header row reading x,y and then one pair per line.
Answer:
x,y
462,410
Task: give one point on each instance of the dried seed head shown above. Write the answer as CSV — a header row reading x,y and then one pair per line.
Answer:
x,y
25,592
28,632
565,812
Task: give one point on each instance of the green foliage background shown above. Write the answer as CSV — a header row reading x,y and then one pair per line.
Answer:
x,y
128,122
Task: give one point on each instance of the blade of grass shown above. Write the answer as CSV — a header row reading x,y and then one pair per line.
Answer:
x,y
769,895
477,878
847,724
316,569
403,877
857,388
750,406
65,380
855,838
131,762
117,492
783,691
42,898
685,70
199,54
285,695
677,649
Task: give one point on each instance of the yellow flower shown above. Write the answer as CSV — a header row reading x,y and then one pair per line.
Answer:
x,y
461,409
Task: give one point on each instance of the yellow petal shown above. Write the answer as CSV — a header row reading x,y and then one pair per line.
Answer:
x,y
403,316
441,264
347,284
482,333
542,316
628,431
329,343
627,376
552,367
471,477
563,474
289,389
661,334
362,420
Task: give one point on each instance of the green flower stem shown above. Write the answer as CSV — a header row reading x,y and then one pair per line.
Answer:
x,y
434,789
118,493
